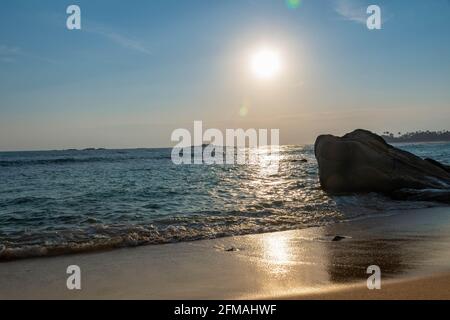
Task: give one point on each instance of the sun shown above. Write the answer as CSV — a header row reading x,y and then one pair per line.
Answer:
x,y
265,63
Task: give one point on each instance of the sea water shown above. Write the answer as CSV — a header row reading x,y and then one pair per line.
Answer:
x,y
55,202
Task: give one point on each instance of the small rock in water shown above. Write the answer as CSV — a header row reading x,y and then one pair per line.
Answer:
x,y
338,238
299,160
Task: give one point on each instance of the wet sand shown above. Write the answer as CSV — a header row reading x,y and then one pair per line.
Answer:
x,y
411,248
428,288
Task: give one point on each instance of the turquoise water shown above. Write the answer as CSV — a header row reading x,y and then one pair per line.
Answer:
x,y
56,202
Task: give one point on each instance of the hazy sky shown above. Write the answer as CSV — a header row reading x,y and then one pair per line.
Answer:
x,y
139,69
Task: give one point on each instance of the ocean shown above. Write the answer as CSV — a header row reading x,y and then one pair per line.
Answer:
x,y
57,202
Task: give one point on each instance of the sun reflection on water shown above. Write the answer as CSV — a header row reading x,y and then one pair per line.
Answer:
x,y
269,160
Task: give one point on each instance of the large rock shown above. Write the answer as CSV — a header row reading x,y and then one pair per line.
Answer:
x,y
362,161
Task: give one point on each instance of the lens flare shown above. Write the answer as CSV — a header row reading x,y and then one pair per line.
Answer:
x,y
293,4
243,111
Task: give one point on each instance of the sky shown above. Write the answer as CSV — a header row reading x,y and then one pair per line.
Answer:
x,y
139,69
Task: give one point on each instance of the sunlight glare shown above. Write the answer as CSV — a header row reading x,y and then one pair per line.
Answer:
x,y
265,63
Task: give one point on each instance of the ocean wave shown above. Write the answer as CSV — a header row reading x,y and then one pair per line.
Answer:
x,y
129,238
72,160
25,201
100,237
53,161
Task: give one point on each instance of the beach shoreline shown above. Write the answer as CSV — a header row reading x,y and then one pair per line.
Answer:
x,y
412,249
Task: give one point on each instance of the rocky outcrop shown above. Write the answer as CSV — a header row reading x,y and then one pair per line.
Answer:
x,y
362,161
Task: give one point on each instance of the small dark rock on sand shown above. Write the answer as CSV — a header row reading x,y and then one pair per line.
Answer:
x,y
338,238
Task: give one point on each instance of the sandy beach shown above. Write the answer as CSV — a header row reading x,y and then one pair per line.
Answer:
x,y
425,288
411,248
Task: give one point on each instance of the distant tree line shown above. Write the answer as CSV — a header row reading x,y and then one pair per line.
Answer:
x,y
417,136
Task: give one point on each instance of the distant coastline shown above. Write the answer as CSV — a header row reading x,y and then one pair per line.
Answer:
x,y
417,136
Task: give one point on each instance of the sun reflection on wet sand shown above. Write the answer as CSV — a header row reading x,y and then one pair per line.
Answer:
x,y
278,253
